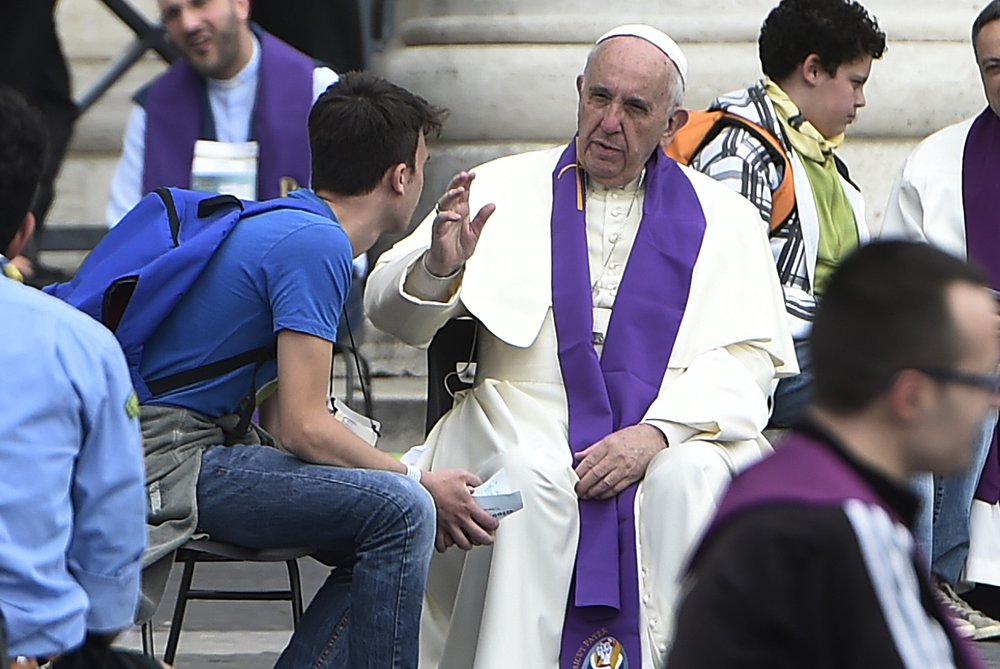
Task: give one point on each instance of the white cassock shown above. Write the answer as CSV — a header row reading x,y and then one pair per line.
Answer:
x,y
498,607
926,204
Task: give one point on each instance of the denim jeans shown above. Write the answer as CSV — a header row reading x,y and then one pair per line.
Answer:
x,y
380,525
942,526
794,393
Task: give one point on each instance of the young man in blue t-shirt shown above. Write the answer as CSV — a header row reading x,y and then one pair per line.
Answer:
x,y
282,277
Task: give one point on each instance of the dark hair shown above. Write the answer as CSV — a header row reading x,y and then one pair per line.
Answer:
x,y
838,31
22,155
885,310
990,13
362,126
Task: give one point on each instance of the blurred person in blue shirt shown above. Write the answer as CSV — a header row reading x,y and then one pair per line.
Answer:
x,y
72,510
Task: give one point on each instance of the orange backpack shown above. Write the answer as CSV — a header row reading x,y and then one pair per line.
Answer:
x,y
703,126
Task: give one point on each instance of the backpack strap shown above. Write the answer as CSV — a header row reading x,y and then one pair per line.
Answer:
x,y
704,126
173,219
700,129
166,384
119,294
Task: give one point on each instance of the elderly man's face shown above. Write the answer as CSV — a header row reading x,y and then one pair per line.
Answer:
x,y
624,108
212,34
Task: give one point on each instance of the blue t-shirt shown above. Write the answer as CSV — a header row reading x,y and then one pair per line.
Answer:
x,y
282,270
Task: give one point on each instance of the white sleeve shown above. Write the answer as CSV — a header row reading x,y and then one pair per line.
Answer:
x,y
721,396
904,213
126,186
403,300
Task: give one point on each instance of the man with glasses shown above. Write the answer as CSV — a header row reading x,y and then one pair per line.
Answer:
x,y
945,196
811,560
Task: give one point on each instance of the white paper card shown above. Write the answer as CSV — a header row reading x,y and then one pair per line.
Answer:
x,y
225,167
359,424
496,496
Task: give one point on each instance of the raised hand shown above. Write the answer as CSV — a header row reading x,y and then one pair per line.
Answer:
x,y
454,235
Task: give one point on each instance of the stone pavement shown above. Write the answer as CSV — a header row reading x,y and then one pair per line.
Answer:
x,y
250,635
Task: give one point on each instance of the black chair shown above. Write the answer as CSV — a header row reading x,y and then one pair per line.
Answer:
x,y
197,551
452,347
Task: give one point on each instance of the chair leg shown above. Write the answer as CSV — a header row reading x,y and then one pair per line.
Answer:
x,y
178,618
295,589
148,647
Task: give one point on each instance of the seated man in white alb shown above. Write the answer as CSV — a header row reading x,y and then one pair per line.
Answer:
x,y
945,195
630,326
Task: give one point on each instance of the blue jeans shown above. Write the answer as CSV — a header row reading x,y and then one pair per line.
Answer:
x,y
380,525
794,393
942,526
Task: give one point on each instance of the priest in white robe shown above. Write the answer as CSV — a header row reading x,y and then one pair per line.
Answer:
x,y
946,195
630,326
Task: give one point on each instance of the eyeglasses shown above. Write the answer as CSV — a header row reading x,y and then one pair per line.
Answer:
x,y
988,382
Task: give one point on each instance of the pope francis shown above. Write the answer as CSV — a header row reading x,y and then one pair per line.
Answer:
x,y
630,326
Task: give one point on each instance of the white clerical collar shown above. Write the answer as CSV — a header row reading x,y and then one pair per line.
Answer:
x,y
248,73
630,188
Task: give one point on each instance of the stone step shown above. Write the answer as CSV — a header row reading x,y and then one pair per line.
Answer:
x,y
399,404
398,386
484,60
89,30
684,19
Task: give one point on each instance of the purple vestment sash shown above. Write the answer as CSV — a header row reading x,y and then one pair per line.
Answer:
x,y
176,103
614,392
981,203
804,471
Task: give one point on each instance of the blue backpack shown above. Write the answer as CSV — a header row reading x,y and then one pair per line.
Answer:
x,y
137,274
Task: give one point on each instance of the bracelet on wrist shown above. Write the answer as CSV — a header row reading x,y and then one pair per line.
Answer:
x,y
413,473
423,261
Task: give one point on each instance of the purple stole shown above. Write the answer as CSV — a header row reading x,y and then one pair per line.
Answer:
x,y
981,200
801,471
176,106
805,472
612,393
